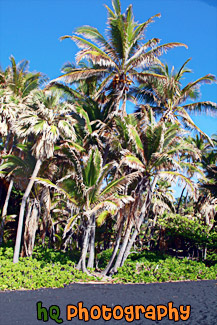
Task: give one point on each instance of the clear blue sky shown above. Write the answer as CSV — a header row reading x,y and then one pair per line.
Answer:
x,y
31,30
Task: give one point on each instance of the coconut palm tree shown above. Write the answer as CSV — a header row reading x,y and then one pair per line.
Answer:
x,y
119,58
45,121
168,97
157,153
93,200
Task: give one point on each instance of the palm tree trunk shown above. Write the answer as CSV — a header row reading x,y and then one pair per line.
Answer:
x,y
31,226
117,243
82,262
143,213
131,241
92,243
180,200
123,248
186,200
22,210
123,108
5,208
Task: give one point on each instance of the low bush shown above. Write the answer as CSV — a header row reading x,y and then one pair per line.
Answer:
x,y
51,269
150,267
54,270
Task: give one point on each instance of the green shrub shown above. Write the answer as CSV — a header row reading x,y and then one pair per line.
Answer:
x,y
104,257
50,269
46,269
151,267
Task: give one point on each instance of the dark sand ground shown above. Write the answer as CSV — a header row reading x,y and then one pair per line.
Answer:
x,y
19,307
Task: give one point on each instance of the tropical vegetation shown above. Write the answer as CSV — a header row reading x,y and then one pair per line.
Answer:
x,y
85,183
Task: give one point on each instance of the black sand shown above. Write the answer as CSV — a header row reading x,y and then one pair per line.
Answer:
x,y
19,307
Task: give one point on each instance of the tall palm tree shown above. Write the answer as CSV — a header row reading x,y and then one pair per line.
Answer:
x,y
119,58
47,118
16,83
157,155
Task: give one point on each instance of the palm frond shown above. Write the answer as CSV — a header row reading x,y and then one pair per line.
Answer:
x,y
207,79
207,107
133,162
80,74
186,118
93,34
119,185
175,174
150,57
70,224
181,70
139,30
47,183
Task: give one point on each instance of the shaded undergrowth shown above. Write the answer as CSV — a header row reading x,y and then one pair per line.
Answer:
x,y
48,268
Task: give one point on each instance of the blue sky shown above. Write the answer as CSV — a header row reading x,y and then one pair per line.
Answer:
x,y
31,30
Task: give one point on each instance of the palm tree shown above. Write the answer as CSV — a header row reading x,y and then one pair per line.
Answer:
x,y
119,59
93,200
168,96
158,147
47,118
16,83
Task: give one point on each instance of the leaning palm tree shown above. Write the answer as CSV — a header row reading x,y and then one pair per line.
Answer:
x,y
46,120
157,154
119,58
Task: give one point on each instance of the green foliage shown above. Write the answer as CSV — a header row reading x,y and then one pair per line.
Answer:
x,y
211,258
191,230
104,257
151,267
48,269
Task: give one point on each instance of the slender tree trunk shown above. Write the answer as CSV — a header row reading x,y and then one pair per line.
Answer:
x,y
92,243
131,241
123,247
82,262
186,200
31,226
152,229
144,211
180,200
123,108
22,210
116,103
5,209
145,206
205,253
117,243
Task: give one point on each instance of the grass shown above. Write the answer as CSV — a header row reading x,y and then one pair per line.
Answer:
x,y
53,269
